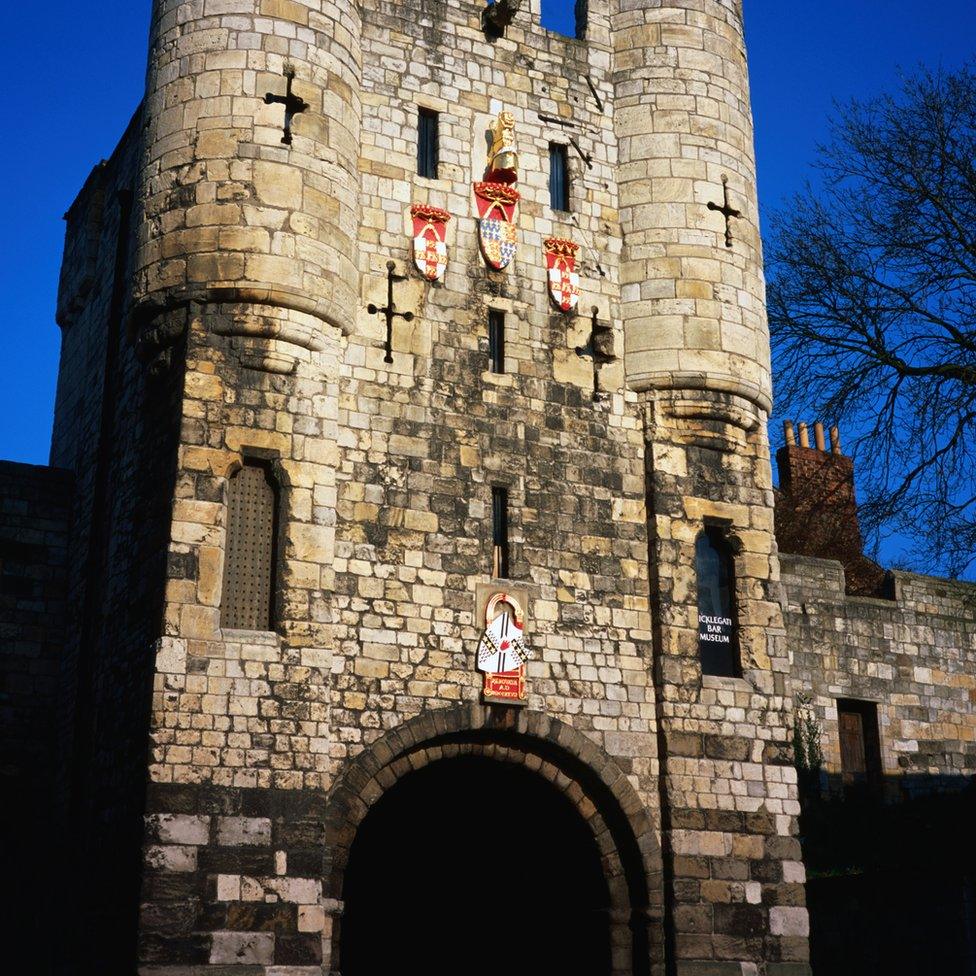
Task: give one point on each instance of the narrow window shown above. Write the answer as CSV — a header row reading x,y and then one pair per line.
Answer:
x,y
427,147
558,177
860,743
499,511
249,558
717,634
496,340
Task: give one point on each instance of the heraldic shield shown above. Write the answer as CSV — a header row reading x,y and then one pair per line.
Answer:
x,y
564,283
502,653
430,240
497,231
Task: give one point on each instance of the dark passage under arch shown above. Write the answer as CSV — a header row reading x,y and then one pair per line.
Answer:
x,y
475,866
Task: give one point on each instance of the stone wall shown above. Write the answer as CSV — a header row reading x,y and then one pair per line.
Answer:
x,y
115,421
246,286
914,655
35,523
386,470
892,860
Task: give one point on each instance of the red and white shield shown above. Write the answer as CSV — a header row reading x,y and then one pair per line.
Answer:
x,y
564,283
497,231
430,240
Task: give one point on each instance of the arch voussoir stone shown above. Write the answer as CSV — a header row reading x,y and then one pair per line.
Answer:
x,y
574,764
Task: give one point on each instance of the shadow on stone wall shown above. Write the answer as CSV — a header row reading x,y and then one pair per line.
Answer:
x,y
891,870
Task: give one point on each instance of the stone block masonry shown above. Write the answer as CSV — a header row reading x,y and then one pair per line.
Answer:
x,y
914,657
214,305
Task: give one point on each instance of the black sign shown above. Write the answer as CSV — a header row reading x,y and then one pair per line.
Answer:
x,y
714,630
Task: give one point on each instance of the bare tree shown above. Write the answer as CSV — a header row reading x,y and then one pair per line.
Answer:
x,y
872,304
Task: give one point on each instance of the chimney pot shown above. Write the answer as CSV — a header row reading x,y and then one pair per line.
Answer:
x,y
788,433
804,436
835,440
818,433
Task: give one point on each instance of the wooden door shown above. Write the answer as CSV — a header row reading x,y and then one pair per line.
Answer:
x,y
853,761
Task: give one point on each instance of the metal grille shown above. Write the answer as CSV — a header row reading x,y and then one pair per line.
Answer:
x,y
249,558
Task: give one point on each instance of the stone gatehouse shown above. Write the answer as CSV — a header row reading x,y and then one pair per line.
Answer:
x,y
381,318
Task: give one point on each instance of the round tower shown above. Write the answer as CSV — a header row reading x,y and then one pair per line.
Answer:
x,y
693,298
697,350
250,190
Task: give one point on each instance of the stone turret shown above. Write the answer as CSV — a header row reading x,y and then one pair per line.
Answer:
x,y
692,296
247,198
697,352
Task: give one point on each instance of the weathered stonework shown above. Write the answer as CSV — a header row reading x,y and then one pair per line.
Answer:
x,y
914,655
214,303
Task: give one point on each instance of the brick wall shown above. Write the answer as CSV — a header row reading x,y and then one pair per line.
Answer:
x,y
816,513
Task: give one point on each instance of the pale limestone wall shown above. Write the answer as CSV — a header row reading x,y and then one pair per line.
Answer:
x,y
386,471
915,656
405,487
730,787
693,309
697,346
254,268
228,212
115,429
241,708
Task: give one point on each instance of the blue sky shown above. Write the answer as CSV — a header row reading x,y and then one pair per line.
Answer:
x,y
72,74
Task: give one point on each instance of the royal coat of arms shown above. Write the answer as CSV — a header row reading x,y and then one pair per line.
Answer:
x,y
502,653
497,232
564,282
430,240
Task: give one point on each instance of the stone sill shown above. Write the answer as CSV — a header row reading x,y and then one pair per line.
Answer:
x,y
433,183
715,683
506,379
269,638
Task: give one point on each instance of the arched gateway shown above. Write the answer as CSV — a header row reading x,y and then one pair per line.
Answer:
x,y
477,839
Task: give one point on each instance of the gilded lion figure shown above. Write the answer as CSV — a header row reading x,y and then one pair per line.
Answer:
x,y
503,156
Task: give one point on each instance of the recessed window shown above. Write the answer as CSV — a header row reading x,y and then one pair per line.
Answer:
x,y
428,123
718,643
249,556
496,340
558,176
499,513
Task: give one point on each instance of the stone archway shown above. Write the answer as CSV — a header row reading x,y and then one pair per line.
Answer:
x,y
585,780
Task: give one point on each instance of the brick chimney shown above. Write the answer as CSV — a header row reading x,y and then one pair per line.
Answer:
x,y
816,508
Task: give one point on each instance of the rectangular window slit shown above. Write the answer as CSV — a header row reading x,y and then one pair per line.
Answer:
x,y
558,176
496,340
499,509
427,143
